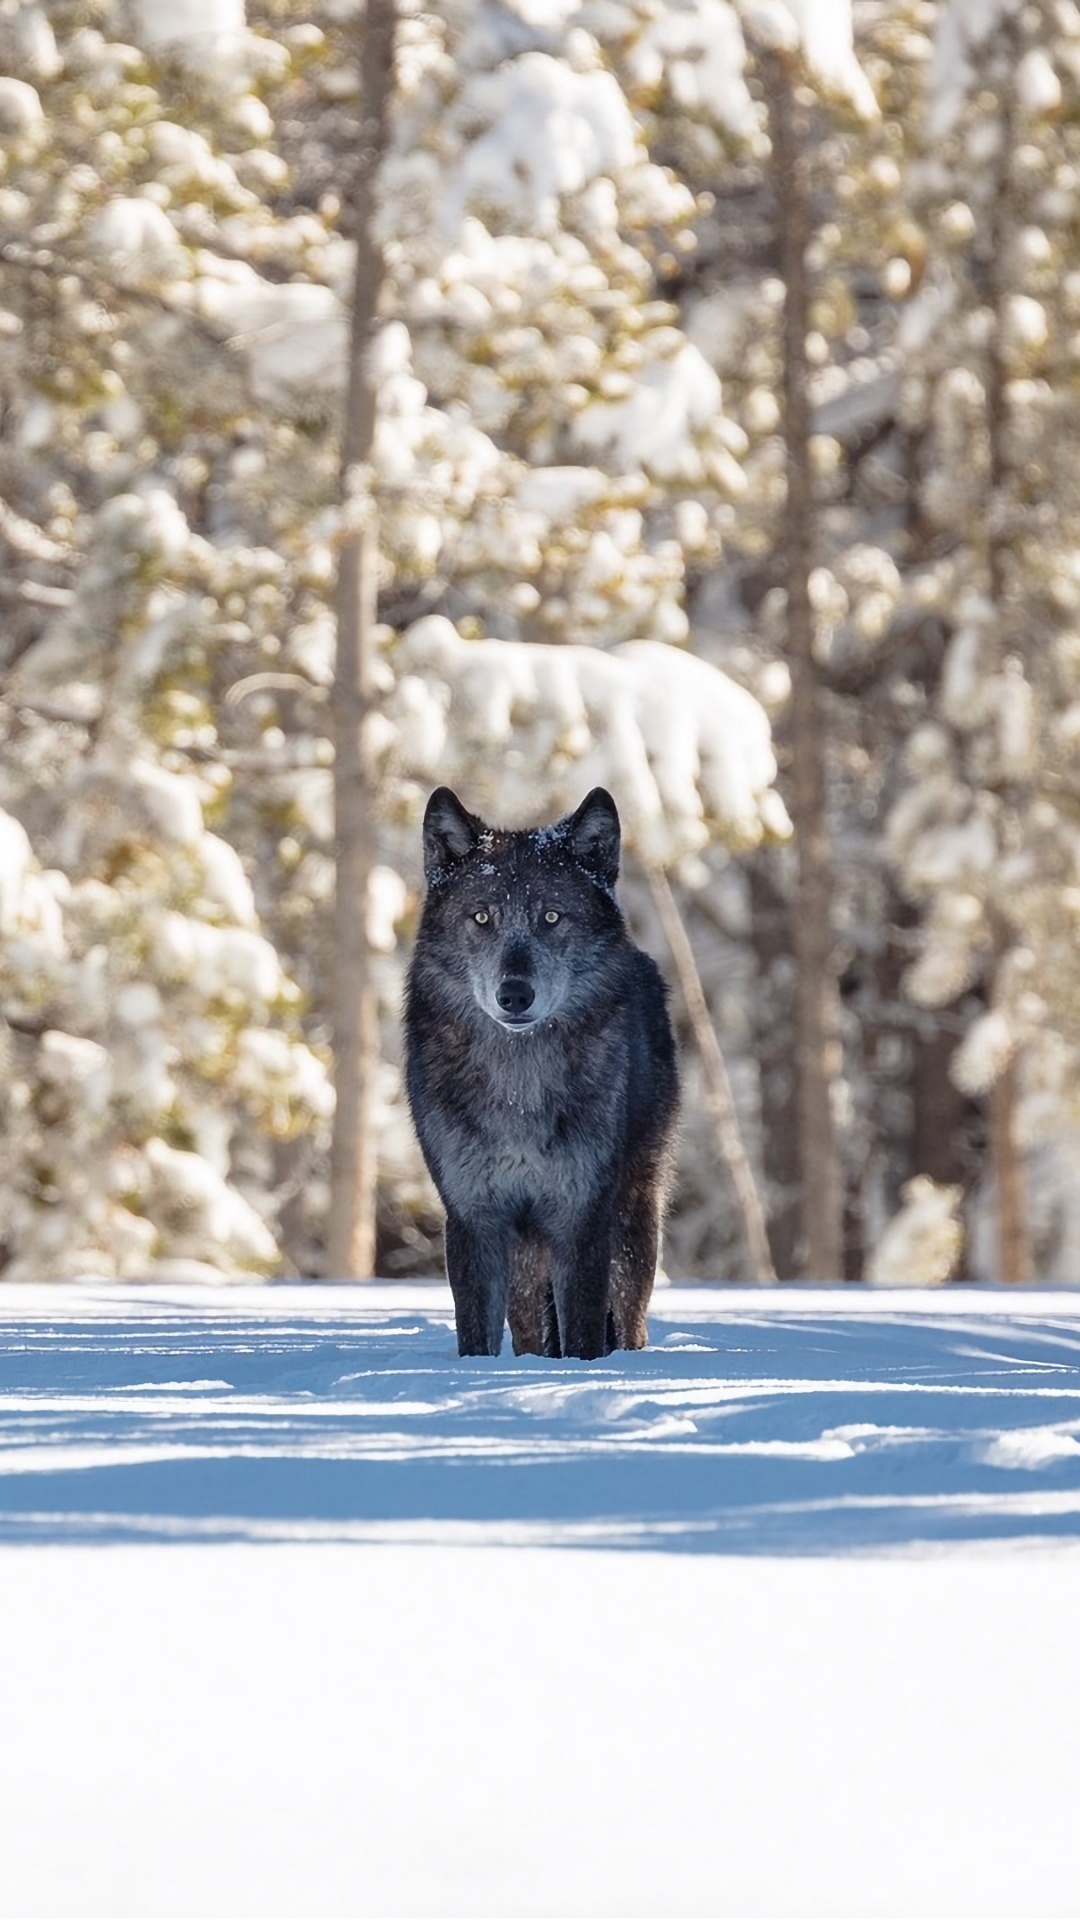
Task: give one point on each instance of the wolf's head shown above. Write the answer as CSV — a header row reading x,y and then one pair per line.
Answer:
x,y
521,922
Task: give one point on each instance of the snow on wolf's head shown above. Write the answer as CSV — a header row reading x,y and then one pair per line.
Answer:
x,y
523,924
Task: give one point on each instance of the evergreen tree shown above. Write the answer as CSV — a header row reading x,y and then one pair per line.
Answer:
x,y
985,834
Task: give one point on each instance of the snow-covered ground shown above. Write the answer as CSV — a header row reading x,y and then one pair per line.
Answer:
x,y
304,1615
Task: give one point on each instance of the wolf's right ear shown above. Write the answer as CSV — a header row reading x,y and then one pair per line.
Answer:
x,y
594,836
449,832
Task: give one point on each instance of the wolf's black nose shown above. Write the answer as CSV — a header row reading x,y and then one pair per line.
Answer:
x,y
515,997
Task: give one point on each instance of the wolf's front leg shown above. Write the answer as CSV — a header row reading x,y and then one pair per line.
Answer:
x,y
580,1266
478,1268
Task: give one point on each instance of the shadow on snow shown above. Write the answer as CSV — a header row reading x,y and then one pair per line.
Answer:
x,y
768,1432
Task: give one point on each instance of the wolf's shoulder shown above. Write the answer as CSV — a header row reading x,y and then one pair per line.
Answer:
x,y
647,984
648,998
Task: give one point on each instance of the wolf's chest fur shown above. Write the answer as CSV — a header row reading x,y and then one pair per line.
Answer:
x,y
529,1118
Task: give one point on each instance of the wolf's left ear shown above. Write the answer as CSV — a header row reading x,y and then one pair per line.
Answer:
x,y
449,831
594,837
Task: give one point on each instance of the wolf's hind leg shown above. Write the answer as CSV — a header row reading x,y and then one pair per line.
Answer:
x,y
478,1269
633,1265
552,1347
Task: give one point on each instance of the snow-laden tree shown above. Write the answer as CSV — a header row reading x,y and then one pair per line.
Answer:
x,y
549,446
525,286
782,89
152,1031
985,837
582,536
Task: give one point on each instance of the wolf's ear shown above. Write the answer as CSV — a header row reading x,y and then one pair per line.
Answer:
x,y
449,832
593,833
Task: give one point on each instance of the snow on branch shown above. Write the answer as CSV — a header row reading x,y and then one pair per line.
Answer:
x,y
550,132
822,29
145,1021
962,31
211,35
527,729
30,540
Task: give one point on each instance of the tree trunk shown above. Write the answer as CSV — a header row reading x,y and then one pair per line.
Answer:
x,y
351,1237
939,1117
1007,1162
1010,1186
817,1023
774,1032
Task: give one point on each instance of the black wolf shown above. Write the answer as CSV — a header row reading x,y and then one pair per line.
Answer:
x,y
542,1080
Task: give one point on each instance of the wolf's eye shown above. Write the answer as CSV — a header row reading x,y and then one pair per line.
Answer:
x,y
551,916
481,918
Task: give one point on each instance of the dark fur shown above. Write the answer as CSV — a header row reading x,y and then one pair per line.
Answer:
x,y
542,1081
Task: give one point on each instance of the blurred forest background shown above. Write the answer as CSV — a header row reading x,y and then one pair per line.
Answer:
x,y
678,395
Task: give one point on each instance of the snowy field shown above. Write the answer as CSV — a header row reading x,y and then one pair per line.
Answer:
x,y
302,1615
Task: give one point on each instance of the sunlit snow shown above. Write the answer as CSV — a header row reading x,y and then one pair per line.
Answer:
x,y
307,1616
